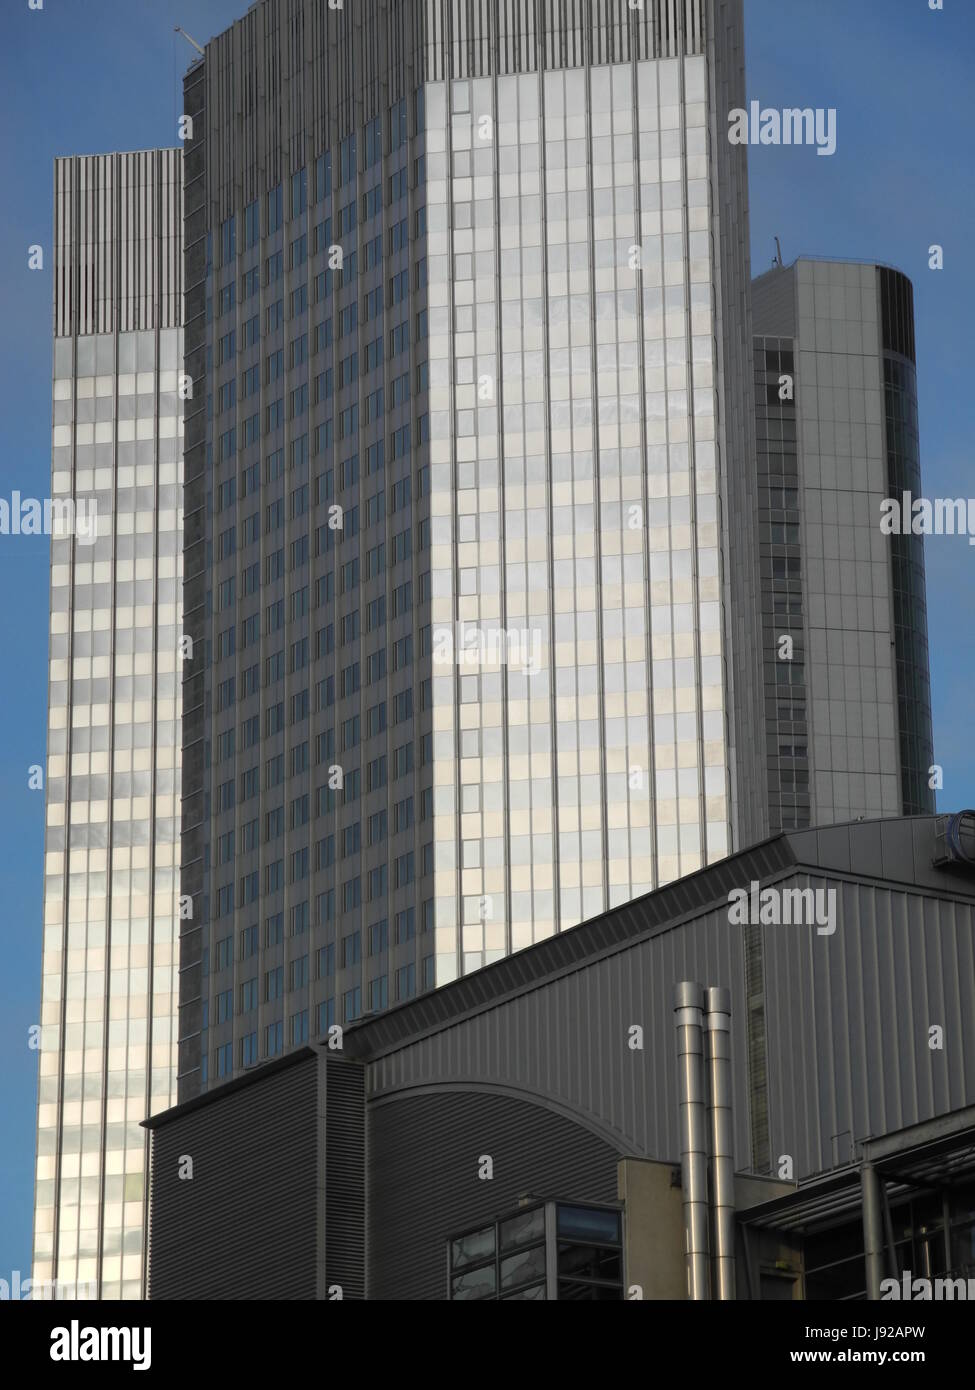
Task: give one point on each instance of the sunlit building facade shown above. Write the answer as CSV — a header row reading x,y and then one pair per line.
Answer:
x,y
109,989
469,499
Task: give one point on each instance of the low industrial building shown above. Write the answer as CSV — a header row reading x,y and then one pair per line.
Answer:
x,y
757,1082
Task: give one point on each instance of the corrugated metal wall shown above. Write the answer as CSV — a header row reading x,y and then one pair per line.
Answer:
x,y
344,1178
276,1205
846,1028
569,1040
424,1152
245,1225
848,1019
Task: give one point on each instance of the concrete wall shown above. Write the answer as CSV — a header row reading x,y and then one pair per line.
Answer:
x,y
653,1228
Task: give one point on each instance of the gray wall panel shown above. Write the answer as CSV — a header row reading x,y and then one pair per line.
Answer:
x,y
245,1225
344,1185
424,1186
569,1039
848,1020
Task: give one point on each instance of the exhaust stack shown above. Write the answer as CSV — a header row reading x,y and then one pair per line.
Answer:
x,y
689,1010
717,1031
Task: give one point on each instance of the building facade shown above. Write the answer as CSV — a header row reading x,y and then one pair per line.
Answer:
x,y
432,1152
111,859
475,655
848,714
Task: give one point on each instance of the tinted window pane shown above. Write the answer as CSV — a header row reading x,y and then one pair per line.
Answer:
x,y
583,1223
519,1269
590,1262
470,1249
523,1230
477,1283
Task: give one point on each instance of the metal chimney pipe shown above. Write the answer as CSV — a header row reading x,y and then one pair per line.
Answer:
x,y
689,1010
717,1036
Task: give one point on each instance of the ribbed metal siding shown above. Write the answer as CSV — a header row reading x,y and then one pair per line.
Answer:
x,y
245,1226
848,1019
569,1040
117,242
423,1183
345,1178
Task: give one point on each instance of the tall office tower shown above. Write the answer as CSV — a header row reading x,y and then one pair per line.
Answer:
x,y
848,719
108,1000
470,564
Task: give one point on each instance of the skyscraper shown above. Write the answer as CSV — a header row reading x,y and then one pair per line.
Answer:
x,y
470,554
848,713
108,1002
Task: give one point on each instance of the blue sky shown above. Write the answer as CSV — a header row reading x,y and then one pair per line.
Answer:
x,y
79,78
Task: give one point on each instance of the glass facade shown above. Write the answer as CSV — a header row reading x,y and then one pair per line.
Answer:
x,y
916,745
109,987
463,600
848,717
783,612
574,496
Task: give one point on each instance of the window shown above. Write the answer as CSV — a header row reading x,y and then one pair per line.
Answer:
x,y
275,210
299,192
405,926
508,1259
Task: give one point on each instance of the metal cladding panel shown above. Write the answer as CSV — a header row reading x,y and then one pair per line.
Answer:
x,y
569,1040
344,1182
245,1226
897,850
849,1018
117,242
424,1155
